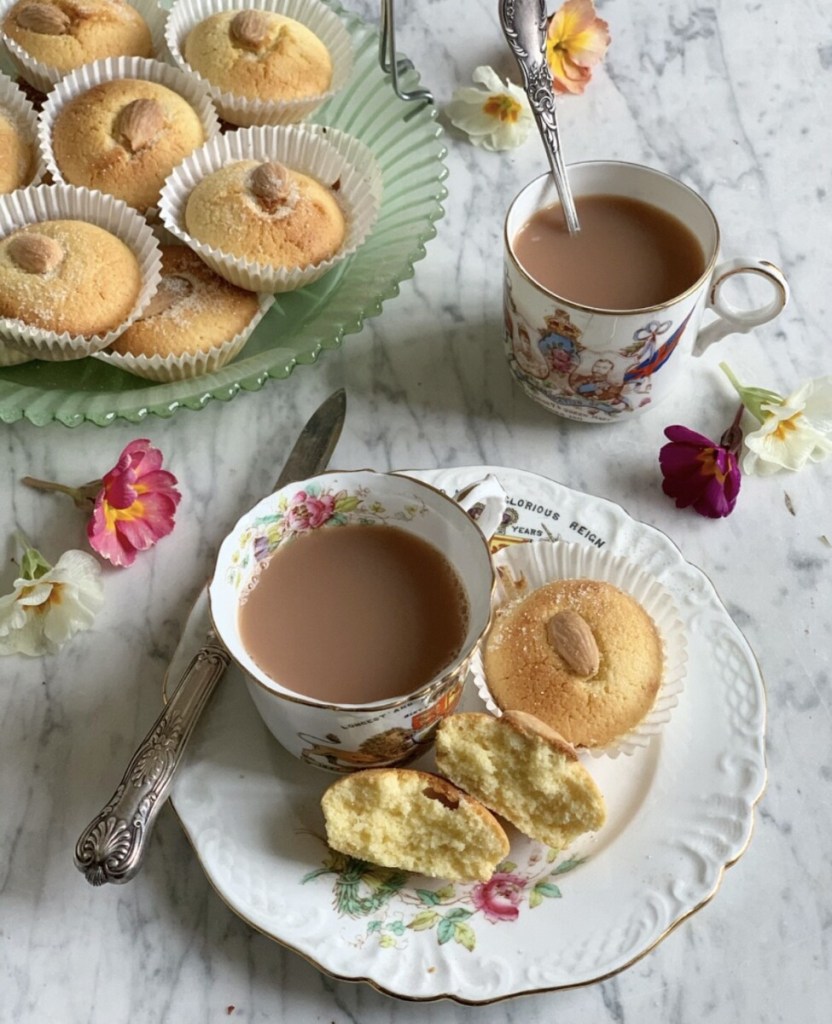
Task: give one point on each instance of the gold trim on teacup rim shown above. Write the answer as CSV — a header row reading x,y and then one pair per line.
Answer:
x,y
521,270
426,692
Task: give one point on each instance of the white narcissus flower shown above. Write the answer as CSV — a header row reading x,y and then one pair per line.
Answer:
x,y
49,604
793,432
494,117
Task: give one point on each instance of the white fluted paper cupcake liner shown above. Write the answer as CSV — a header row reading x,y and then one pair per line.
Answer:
x,y
184,367
239,110
66,202
43,76
18,105
87,77
11,356
323,153
539,562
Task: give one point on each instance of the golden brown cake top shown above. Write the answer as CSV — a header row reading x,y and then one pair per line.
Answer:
x,y
193,310
124,137
266,213
259,55
17,154
68,275
65,34
581,655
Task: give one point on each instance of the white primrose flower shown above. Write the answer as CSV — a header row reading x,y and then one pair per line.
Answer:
x,y
794,431
49,604
496,116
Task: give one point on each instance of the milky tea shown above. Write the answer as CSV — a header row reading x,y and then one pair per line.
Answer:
x,y
628,254
355,614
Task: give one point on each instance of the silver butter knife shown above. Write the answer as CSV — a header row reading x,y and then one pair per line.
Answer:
x,y
111,848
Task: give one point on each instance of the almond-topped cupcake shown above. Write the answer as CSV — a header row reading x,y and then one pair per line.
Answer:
x,y
580,655
68,276
266,213
193,311
124,137
64,34
586,641
259,54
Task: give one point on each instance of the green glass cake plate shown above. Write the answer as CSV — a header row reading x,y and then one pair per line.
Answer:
x,y
407,142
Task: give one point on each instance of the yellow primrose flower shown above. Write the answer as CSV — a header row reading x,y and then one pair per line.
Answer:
x,y
49,604
793,430
576,41
494,117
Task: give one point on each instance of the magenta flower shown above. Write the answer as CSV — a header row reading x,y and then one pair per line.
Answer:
x,y
701,473
499,898
309,511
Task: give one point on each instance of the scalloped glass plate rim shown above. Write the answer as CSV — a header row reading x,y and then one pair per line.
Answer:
x,y
670,865
42,406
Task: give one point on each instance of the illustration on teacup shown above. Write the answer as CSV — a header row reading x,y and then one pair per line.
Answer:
x,y
553,361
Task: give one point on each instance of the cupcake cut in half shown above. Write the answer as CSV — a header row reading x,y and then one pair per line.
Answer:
x,y
415,821
522,770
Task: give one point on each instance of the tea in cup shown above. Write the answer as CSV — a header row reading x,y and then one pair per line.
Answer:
x,y
599,325
353,602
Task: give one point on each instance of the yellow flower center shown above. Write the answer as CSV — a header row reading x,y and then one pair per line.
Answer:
x,y
709,465
134,511
503,107
786,427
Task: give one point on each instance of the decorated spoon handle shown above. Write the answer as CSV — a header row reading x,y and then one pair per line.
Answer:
x,y
111,847
524,26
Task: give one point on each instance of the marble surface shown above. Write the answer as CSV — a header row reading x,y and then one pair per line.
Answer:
x,y
732,98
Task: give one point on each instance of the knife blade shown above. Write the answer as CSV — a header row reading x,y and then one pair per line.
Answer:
x,y
112,847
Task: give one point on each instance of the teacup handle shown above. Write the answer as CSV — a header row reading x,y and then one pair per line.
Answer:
x,y
486,501
730,319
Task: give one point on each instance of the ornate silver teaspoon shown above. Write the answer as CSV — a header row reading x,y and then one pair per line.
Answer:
x,y
524,26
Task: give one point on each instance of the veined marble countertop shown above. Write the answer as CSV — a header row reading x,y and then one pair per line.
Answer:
x,y
734,99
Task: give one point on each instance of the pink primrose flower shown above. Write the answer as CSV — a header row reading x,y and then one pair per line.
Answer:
x,y
135,506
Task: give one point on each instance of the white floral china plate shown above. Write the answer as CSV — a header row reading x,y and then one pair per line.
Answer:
x,y
679,812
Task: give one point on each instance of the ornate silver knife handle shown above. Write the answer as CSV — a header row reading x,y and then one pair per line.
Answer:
x,y
111,847
524,26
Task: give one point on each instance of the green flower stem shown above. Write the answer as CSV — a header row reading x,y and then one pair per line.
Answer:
x,y
752,398
83,497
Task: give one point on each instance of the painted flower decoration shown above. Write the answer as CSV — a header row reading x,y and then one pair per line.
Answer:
x,y
499,898
576,41
793,430
496,116
49,604
698,472
309,511
133,505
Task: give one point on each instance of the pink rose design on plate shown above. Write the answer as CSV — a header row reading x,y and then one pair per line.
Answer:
x,y
498,898
309,511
